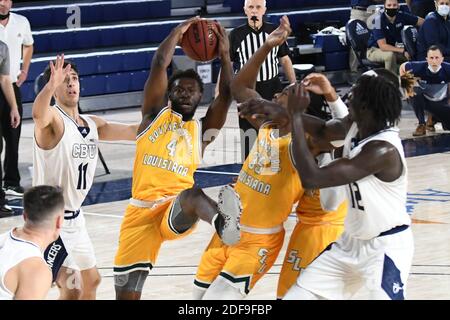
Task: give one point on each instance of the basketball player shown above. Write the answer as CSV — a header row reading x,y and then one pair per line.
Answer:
x,y
24,274
376,248
170,142
320,212
65,153
268,186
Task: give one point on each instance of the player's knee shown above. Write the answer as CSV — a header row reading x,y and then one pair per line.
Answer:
x,y
190,196
93,282
183,216
71,294
130,282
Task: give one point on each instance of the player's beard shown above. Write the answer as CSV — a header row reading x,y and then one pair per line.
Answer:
x,y
177,107
186,115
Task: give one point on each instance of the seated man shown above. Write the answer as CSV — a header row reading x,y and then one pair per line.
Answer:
x,y
431,94
385,43
435,31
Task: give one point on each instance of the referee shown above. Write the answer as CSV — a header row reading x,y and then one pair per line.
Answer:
x,y
244,41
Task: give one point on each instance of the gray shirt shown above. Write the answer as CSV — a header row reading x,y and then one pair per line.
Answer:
x,y
4,59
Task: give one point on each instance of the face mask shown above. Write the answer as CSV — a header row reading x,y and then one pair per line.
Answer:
x,y
443,10
4,16
432,71
391,12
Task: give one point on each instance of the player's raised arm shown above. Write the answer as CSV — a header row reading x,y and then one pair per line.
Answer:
x,y
41,111
243,84
217,112
156,84
113,131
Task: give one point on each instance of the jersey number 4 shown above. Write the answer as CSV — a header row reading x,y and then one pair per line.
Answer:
x,y
356,196
82,169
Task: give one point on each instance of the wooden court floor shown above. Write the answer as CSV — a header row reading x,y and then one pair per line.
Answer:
x,y
172,277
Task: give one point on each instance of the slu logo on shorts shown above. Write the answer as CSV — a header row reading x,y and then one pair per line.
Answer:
x,y
391,282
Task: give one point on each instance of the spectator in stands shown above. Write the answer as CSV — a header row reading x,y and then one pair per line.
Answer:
x,y
268,82
359,11
15,31
420,8
435,31
385,43
11,112
432,92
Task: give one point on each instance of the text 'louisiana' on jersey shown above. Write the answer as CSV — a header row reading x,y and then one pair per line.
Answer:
x,y
375,206
268,183
71,163
168,152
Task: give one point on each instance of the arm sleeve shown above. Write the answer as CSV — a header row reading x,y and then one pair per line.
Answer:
x,y
418,68
411,19
338,109
27,36
233,47
283,50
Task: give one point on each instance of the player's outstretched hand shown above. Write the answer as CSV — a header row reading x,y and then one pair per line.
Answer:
x,y
318,84
260,109
58,72
280,34
184,26
298,99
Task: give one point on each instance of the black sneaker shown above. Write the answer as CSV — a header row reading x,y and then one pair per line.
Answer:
x,y
6,209
227,222
14,191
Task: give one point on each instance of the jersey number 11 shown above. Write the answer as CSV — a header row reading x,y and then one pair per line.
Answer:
x,y
82,169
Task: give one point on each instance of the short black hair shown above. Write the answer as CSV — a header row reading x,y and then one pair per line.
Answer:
x,y
435,47
48,71
41,202
190,74
381,95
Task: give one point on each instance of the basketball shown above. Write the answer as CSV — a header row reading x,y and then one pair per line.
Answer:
x,y
200,42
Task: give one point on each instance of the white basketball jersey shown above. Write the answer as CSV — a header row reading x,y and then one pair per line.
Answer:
x,y
12,252
71,163
375,206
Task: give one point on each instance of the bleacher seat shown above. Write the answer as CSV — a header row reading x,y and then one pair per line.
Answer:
x,y
237,5
138,80
95,13
92,85
88,38
118,82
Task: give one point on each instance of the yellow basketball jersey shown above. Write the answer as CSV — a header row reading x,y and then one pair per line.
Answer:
x,y
309,210
268,183
167,155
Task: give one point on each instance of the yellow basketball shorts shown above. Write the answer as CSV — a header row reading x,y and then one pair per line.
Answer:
x,y
242,264
306,243
142,232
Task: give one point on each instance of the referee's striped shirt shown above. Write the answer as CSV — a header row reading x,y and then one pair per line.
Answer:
x,y
244,41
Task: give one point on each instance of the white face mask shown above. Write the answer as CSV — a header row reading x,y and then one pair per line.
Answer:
x,y
443,10
431,69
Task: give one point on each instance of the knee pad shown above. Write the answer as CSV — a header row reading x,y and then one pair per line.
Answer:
x,y
133,281
179,220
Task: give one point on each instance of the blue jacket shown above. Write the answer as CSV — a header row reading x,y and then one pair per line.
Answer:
x,y
434,31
